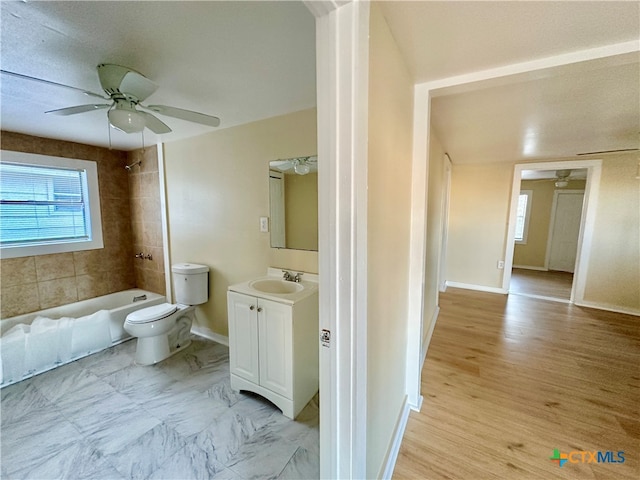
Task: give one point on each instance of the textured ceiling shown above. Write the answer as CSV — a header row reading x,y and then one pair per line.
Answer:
x,y
240,61
244,61
584,107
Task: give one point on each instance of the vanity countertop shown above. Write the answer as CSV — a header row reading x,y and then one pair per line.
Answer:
x,y
309,283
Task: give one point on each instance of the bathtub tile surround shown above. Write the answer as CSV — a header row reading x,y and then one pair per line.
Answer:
x,y
34,283
104,417
144,191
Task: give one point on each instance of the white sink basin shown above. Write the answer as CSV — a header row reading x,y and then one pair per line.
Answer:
x,y
274,285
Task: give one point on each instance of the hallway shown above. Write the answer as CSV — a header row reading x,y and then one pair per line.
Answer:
x,y
509,379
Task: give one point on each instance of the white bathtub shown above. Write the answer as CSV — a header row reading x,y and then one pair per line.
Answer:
x,y
39,341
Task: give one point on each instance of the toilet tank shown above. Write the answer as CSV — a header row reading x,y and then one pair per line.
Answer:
x,y
191,283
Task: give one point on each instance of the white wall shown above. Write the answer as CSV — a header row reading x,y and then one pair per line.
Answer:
x,y
389,208
217,189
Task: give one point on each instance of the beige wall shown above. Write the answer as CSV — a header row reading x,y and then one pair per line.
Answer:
x,y
301,211
478,214
533,253
217,189
614,267
144,188
480,196
33,283
389,207
435,200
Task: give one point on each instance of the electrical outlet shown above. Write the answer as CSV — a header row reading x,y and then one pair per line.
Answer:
x,y
264,224
500,264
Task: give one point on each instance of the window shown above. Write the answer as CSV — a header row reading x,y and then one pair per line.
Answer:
x,y
48,205
522,215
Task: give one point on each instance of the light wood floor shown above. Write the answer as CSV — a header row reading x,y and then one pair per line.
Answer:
x,y
508,379
547,284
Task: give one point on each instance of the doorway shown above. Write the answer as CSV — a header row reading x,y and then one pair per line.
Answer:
x,y
550,227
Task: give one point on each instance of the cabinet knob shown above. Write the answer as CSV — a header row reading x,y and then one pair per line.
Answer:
x,y
252,307
259,309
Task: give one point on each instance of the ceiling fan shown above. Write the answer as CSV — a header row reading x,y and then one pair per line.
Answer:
x,y
126,89
300,165
561,179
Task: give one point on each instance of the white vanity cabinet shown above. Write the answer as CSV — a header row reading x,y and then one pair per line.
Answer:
x,y
273,348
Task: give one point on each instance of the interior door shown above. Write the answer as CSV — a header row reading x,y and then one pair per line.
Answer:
x,y
565,230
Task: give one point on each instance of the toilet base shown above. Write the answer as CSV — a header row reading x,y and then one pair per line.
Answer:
x,y
152,350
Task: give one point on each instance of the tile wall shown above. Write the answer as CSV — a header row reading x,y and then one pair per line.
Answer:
x,y
144,191
33,283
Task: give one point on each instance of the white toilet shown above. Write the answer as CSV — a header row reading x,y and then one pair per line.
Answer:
x,y
164,329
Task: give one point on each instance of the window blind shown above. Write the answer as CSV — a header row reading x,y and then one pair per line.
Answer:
x,y
41,204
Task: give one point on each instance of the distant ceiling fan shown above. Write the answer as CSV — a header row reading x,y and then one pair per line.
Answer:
x,y
561,179
126,89
300,165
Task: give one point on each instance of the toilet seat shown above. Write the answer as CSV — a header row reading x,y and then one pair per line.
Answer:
x,y
151,314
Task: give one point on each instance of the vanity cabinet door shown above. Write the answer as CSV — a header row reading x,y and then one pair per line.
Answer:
x,y
243,336
275,347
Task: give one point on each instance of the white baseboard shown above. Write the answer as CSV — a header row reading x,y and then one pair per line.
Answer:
x,y
529,267
480,288
427,338
210,334
541,297
394,448
608,308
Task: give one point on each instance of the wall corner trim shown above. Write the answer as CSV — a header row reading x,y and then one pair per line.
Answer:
x,y
394,447
480,288
608,308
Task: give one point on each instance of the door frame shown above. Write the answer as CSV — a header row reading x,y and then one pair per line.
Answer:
x,y
342,73
587,223
552,219
446,199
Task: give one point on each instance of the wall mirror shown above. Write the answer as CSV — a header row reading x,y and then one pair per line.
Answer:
x,y
293,203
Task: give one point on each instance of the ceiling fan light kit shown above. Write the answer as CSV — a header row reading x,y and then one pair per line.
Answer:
x,y
126,118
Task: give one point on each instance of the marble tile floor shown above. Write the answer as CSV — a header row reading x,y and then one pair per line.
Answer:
x,y
103,417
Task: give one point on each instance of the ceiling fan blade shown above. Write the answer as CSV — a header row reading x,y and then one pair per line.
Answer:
x,y
137,85
79,109
187,115
155,124
282,165
56,84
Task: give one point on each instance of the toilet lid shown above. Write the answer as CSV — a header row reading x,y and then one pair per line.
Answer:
x,y
149,314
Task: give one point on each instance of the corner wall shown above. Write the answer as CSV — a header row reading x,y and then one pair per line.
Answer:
x,y
217,189
34,283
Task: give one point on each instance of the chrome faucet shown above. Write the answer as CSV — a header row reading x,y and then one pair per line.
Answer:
x,y
287,276
297,277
